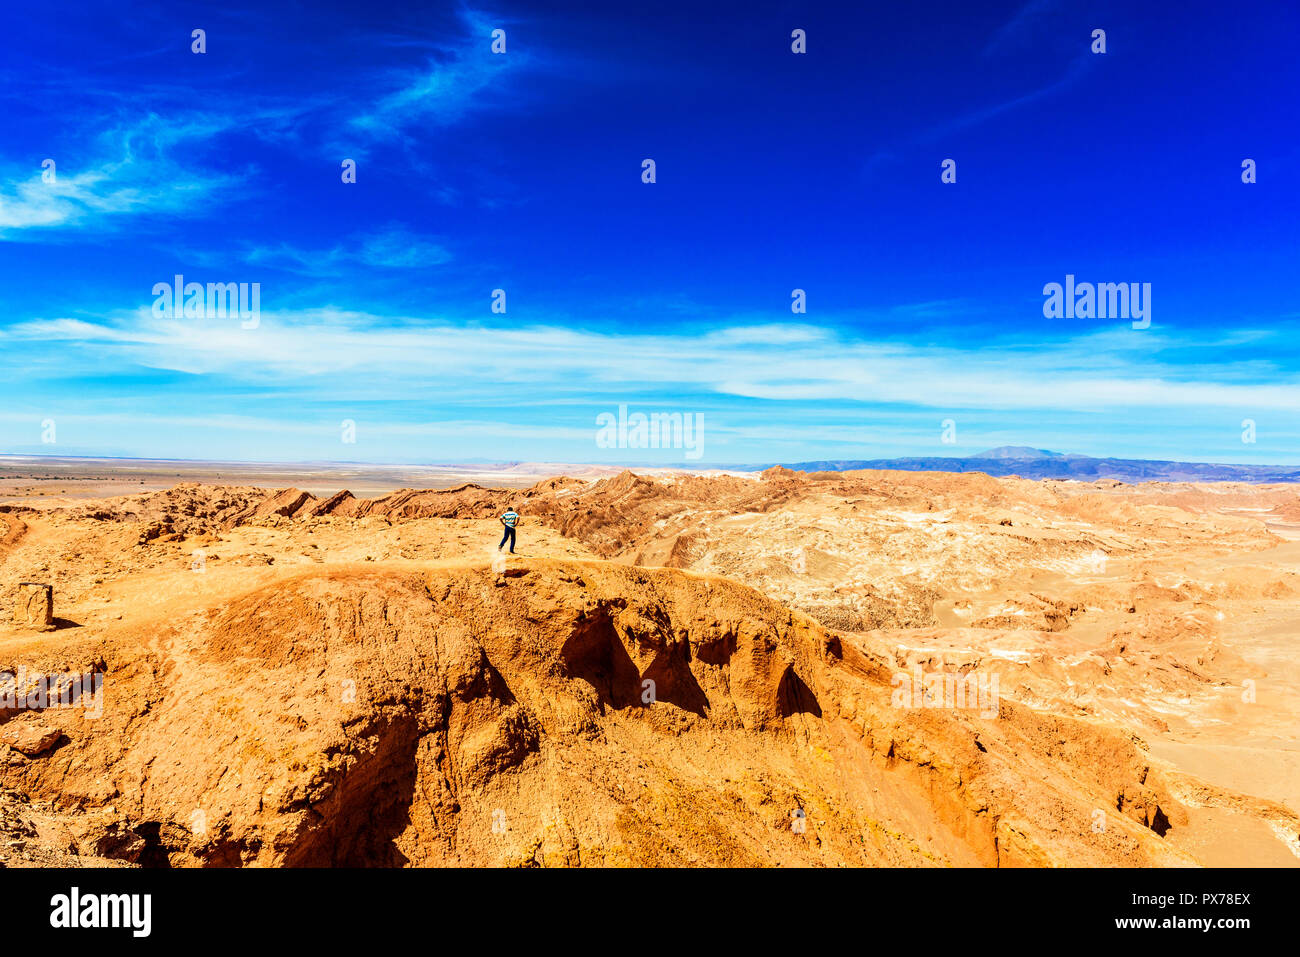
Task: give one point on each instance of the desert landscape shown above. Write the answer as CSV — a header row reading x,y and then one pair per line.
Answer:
x,y
859,668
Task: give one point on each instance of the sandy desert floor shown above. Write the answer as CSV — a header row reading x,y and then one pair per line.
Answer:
x,y
674,669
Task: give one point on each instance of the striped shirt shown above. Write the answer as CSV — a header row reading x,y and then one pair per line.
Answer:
x,y
510,518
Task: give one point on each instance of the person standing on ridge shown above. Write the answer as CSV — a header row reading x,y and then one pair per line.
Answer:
x,y
509,519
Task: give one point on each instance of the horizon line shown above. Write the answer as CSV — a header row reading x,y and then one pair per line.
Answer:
x,y
1046,455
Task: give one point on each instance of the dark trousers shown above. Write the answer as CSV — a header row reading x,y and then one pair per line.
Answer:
x,y
510,537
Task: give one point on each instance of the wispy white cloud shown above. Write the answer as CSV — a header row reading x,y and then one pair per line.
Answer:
x,y
328,351
458,76
1015,31
136,168
391,248
165,158
299,425
1029,17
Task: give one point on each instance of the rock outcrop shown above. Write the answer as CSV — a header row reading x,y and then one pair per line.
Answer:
x,y
34,606
566,713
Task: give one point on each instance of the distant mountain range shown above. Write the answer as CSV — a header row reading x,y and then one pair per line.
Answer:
x,y
1034,463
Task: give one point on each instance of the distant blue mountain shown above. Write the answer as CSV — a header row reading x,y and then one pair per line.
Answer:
x,y
1043,464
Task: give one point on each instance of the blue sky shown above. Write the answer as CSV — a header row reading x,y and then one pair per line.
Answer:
x,y
775,171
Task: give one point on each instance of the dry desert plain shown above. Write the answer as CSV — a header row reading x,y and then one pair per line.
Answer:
x,y
756,669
